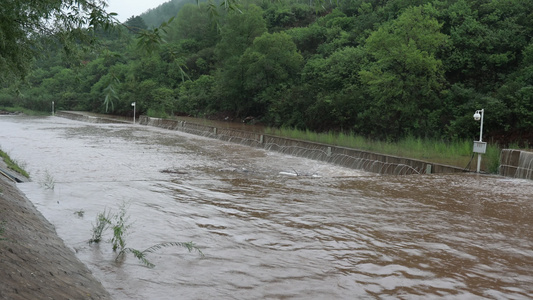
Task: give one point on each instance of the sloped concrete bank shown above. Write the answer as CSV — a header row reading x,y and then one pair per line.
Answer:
x,y
346,157
34,262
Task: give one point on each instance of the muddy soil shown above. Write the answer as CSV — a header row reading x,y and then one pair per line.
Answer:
x,y
34,261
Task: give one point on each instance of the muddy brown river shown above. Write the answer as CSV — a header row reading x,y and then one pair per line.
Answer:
x,y
328,233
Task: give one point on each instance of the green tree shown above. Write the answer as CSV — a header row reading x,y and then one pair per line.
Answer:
x,y
156,16
309,38
237,34
517,93
280,16
22,22
405,77
272,60
487,38
163,102
239,31
192,23
197,97
135,24
337,91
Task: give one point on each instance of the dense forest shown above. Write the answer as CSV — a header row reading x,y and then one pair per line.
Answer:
x,y
383,69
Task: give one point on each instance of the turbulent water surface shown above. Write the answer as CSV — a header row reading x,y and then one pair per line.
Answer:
x,y
328,233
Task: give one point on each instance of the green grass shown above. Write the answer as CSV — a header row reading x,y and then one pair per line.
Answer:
x,y
455,153
26,111
13,165
153,113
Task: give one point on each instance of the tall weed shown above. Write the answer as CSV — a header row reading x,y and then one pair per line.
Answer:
x,y
120,226
48,182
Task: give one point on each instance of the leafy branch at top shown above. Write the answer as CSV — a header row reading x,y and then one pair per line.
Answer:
x,y
110,92
150,40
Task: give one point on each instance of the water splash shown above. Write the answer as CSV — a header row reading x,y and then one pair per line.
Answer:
x,y
516,163
525,165
346,157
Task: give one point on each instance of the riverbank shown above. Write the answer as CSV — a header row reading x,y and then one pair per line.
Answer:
x,y
34,262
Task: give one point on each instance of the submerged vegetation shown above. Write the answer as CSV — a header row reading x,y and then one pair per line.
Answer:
x,y
48,182
118,223
80,213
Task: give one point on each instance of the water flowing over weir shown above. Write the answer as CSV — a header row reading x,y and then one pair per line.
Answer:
x,y
516,163
344,234
346,157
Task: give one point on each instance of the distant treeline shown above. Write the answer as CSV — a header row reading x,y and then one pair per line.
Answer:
x,y
383,69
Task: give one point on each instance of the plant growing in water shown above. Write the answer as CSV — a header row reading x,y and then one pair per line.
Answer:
x,y
120,227
48,181
103,220
119,223
141,255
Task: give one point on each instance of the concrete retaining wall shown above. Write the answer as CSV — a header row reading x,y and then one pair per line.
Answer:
x,y
346,157
88,117
516,163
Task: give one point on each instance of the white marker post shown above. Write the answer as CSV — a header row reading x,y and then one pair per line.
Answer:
x,y
133,104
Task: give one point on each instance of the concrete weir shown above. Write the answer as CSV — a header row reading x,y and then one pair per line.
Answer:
x,y
346,157
88,117
516,163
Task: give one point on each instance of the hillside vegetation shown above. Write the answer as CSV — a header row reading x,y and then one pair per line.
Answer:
x,y
382,69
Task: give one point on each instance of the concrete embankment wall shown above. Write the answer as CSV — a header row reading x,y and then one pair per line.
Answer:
x,y
88,118
516,163
346,157
34,262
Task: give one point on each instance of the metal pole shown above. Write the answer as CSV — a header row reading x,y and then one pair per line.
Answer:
x,y
481,140
481,127
52,108
478,162
133,104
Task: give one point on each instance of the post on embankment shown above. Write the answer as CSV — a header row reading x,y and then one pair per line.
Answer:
x,y
133,104
480,147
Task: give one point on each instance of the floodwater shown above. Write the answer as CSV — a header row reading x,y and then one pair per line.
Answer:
x,y
329,233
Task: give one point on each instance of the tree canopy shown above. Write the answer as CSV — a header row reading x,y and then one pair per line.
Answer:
x,y
383,69
25,23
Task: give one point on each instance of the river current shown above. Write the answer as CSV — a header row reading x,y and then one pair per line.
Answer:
x,y
327,233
